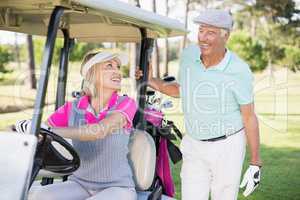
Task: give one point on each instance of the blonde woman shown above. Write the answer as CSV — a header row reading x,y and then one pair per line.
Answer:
x,y
99,125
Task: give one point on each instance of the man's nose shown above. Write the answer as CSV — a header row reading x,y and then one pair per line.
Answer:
x,y
202,37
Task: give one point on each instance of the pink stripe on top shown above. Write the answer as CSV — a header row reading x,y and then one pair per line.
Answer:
x,y
127,107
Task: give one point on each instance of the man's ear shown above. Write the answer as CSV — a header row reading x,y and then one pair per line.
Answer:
x,y
227,36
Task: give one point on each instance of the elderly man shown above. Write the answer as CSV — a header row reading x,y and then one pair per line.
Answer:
x,y
217,99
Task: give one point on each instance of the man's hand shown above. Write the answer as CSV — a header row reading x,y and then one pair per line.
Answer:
x,y
251,179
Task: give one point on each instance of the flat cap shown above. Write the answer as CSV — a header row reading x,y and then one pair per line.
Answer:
x,y
215,17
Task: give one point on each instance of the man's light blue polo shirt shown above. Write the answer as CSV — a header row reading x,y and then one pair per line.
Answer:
x,y
211,97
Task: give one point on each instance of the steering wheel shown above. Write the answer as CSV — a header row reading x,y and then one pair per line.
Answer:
x,y
49,158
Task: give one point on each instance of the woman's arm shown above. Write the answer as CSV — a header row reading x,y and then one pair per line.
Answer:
x,y
91,132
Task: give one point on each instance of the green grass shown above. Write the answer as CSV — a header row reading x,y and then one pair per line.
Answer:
x,y
280,152
277,106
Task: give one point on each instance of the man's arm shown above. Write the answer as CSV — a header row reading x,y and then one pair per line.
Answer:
x,y
170,89
252,132
91,132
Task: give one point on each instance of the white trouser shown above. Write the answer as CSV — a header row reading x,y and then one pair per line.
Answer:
x,y
71,190
212,167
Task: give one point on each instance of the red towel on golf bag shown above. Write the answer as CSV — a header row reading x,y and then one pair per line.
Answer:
x,y
164,169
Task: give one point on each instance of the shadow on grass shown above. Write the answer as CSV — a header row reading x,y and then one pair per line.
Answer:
x,y
280,175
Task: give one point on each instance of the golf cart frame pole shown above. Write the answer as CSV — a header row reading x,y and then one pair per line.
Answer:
x,y
63,69
145,53
45,68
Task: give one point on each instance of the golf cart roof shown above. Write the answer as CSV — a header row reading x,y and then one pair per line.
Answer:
x,y
88,20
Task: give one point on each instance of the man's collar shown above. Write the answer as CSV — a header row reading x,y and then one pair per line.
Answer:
x,y
220,66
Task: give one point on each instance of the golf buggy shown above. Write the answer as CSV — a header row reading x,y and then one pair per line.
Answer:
x,y
25,157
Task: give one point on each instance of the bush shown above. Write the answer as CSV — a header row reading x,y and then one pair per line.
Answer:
x,y
5,57
292,57
249,49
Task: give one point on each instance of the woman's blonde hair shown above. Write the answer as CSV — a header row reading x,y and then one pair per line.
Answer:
x,y
88,86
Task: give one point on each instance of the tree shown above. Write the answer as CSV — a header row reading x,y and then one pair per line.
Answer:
x,y
248,48
17,51
276,21
166,49
155,53
134,49
186,14
31,63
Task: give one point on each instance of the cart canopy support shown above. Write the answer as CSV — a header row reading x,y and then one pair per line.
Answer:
x,y
45,69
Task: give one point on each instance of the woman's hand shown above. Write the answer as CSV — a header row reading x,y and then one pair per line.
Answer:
x,y
139,73
91,132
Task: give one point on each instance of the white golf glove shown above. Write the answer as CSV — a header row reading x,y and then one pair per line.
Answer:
x,y
251,179
23,126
